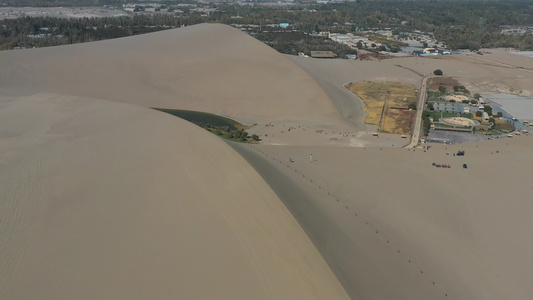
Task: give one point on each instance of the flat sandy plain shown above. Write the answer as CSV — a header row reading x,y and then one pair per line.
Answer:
x,y
105,198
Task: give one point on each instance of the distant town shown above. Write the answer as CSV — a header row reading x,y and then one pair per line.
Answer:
x,y
291,27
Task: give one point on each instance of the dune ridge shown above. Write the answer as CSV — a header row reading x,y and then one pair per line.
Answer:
x,y
76,129
207,67
109,200
391,225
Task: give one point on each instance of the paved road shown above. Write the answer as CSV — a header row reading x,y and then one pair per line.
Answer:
x,y
415,137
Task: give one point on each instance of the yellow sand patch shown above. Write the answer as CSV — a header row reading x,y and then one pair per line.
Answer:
x,y
241,127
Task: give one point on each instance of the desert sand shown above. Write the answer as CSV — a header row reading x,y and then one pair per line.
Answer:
x,y
207,67
386,222
394,226
103,200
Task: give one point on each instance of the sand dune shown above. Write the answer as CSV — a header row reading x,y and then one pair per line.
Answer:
x,y
112,201
207,67
401,224
104,199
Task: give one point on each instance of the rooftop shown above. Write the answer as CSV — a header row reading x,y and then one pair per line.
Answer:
x,y
323,54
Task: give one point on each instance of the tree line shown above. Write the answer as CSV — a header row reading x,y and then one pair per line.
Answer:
x,y
459,24
28,32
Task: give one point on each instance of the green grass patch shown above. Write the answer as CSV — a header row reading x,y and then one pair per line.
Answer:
x,y
504,127
487,132
437,115
443,125
383,40
435,94
203,119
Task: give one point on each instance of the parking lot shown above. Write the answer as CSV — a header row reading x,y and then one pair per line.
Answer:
x,y
456,137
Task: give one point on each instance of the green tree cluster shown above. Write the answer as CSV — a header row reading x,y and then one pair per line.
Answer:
x,y
49,31
488,109
426,123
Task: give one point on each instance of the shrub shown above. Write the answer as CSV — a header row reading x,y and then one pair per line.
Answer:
x,y
236,134
438,72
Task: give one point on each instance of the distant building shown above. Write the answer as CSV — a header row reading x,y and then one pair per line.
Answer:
x,y
351,56
520,30
323,54
431,51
